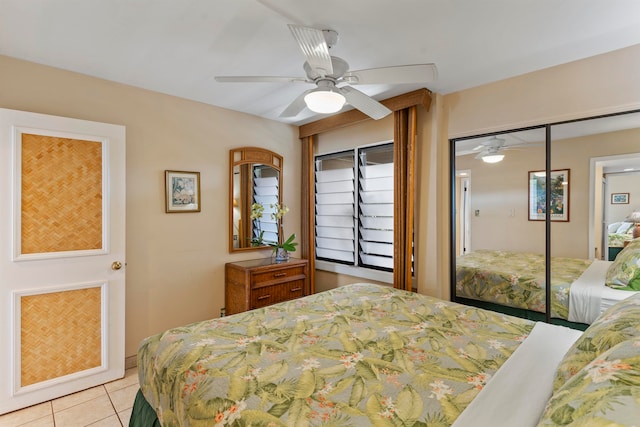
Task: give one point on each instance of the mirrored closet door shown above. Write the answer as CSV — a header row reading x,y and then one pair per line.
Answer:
x,y
523,217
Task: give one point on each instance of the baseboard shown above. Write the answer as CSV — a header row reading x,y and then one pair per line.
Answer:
x,y
130,362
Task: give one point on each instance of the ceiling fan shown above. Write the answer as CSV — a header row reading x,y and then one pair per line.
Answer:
x,y
490,150
334,80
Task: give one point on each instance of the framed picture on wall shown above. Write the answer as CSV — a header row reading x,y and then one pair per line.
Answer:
x,y
182,191
619,198
559,203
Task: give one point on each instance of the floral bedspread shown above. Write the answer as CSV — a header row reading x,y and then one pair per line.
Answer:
x,y
358,355
517,279
616,240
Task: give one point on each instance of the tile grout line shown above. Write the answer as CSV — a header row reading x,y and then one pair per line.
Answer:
x,y
113,406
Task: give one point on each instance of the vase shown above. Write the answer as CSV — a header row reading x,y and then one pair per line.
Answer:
x,y
282,255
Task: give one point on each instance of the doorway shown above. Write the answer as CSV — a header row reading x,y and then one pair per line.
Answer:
x,y
62,256
619,175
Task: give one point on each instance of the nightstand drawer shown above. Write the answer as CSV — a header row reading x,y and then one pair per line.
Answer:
x,y
267,295
261,282
267,278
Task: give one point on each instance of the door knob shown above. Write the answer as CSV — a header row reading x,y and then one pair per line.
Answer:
x,y
116,265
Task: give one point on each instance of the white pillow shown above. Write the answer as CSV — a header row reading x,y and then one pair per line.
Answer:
x,y
614,227
624,227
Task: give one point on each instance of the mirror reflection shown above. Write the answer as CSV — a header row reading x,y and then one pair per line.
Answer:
x,y
500,240
256,189
499,236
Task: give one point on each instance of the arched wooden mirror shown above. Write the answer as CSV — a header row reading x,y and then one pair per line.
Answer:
x,y
256,178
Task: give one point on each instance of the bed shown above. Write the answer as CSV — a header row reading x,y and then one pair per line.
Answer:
x,y
366,354
618,233
517,280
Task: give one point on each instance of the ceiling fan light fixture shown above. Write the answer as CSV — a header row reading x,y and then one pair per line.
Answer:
x,y
324,101
492,158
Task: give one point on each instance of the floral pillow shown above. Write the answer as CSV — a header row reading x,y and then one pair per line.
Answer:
x,y
624,272
605,392
619,323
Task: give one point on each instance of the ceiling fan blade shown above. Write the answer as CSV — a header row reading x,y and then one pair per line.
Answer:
x,y
296,106
260,79
418,73
364,103
314,47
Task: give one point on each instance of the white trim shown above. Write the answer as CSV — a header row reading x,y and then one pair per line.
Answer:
x,y
360,272
16,360
17,254
358,147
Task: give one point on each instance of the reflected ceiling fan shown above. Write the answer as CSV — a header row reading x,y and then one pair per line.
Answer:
x,y
490,150
334,80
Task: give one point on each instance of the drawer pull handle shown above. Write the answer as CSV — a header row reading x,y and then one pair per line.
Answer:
x,y
279,274
295,289
264,297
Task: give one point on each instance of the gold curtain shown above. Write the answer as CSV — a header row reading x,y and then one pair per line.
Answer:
x,y
404,148
308,238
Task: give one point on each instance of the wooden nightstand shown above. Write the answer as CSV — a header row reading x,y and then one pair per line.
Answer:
x,y
261,282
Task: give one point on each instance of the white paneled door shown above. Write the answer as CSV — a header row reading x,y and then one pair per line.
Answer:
x,y
62,256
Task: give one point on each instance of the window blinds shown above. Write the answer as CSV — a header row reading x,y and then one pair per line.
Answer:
x,y
355,216
335,212
376,208
265,192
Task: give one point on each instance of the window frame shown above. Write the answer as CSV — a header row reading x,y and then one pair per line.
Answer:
x,y
357,268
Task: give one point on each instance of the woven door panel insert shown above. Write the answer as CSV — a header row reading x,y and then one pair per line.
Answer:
x,y
60,334
61,194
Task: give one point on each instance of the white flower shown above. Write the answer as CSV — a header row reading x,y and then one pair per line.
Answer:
x,y
439,389
350,360
389,408
495,344
326,389
602,370
309,364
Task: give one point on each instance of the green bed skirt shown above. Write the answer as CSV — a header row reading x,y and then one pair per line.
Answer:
x,y
143,414
520,312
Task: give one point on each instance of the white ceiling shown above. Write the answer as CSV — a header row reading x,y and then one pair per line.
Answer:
x,y
178,46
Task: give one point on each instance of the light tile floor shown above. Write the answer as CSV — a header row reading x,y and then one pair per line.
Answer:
x,y
108,405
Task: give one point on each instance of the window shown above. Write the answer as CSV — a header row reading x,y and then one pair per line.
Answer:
x,y
354,207
265,192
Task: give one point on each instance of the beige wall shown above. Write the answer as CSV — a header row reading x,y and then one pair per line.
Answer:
x,y
175,262
175,268
602,84
623,183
